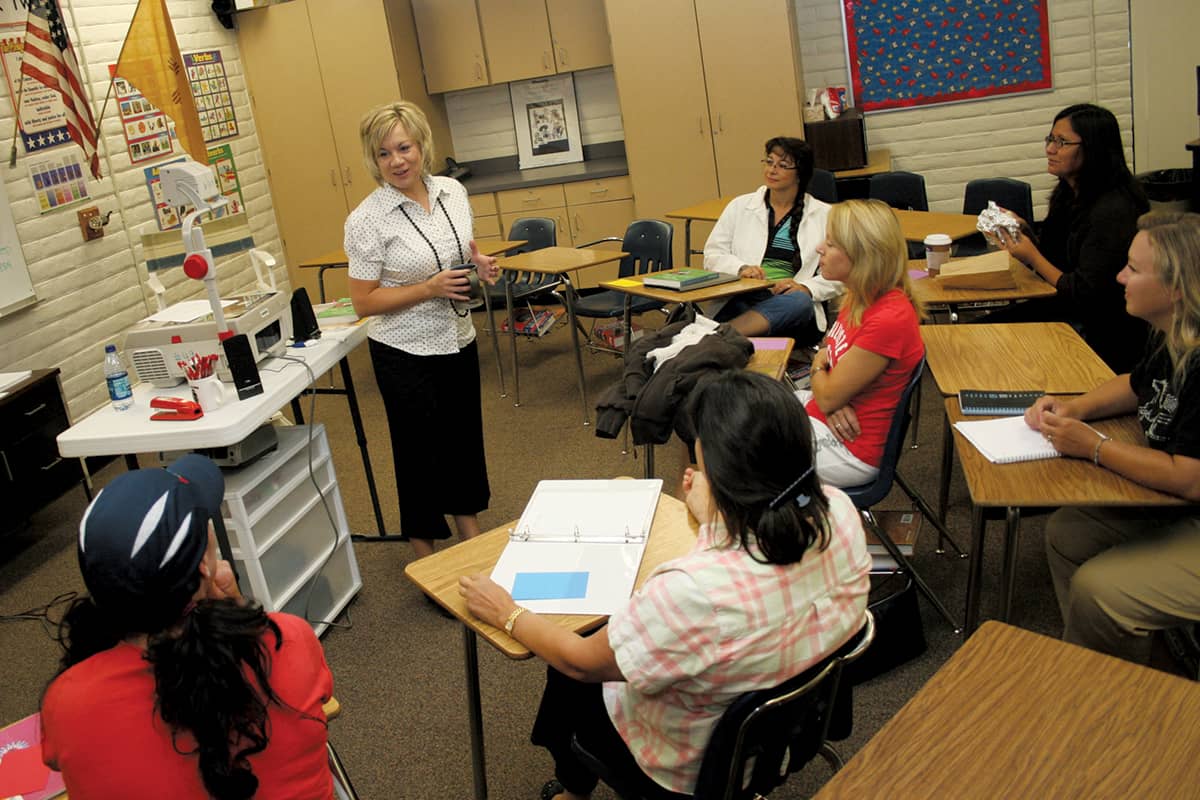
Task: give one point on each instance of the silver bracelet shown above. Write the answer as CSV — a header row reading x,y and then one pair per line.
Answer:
x,y
1096,452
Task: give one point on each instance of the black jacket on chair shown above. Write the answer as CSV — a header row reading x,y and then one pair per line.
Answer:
x,y
654,402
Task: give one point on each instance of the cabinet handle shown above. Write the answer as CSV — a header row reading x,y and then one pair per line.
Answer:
x,y
578,224
532,199
720,122
478,71
562,56
700,125
349,177
49,466
546,59
33,411
7,469
333,177
600,190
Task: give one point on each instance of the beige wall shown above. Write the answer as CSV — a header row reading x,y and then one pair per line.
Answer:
x,y
89,294
1166,50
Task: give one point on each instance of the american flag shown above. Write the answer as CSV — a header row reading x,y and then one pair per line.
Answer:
x,y
49,59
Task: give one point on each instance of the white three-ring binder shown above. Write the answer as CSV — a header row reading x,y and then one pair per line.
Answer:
x,y
578,545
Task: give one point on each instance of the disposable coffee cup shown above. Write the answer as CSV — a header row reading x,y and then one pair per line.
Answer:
x,y
937,252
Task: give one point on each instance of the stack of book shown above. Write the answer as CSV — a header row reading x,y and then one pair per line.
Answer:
x,y
686,278
339,312
527,324
902,527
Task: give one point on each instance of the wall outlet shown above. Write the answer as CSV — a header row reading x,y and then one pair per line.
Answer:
x,y
90,230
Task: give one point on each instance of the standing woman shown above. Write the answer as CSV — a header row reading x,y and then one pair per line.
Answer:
x,y
1086,234
1122,573
872,348
405,242
773,233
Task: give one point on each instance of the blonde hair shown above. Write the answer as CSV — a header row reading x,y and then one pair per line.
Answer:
x,y
868,232
378,123
1174,238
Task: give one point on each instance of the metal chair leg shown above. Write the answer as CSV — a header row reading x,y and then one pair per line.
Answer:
x,y
342,787
895,552
491,315
832,757
927,512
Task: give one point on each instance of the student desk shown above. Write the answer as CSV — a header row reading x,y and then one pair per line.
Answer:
x,y
710,211
634,286
931,292
671,535
919,224
557,261
1048,356
1047,483
1017,714
337,259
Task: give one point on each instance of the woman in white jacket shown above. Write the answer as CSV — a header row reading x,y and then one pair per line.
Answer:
x,y
773,233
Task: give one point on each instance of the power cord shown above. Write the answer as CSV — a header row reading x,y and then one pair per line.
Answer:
x,y
312,476
49,615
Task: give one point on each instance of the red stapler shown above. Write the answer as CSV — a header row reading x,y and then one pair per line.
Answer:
x,y
177,408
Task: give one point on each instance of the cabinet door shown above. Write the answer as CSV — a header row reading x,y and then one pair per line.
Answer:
x,y
292,120
355,56
598,191
516,37
660,79
523,202
594,221
451,44
580,34
746,45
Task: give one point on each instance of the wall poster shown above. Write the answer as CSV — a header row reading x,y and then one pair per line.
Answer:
x,y
220,159
147,130
547,121
43,117
905,53
210,87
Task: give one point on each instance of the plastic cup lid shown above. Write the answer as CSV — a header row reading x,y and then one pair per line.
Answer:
x,y
938,239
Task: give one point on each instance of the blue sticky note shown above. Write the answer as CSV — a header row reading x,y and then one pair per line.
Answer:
x,y
550,585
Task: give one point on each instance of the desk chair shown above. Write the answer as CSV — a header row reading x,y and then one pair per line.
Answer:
x,y
869,494
904,190
342,788
1016,196
536,232
763,736
823,186
648,243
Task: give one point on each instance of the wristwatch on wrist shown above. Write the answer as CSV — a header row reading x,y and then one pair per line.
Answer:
x,y
512,619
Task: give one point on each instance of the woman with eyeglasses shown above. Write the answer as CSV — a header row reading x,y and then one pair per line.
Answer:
x,y
1122,573
1081,245
773,233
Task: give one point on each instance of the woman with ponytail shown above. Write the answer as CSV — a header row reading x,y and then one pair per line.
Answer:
x,y
171,684
776,582
773,233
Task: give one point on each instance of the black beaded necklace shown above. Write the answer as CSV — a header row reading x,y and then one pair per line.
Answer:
x,y
436,257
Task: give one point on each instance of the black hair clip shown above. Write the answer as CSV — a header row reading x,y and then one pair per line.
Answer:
x,y
792,492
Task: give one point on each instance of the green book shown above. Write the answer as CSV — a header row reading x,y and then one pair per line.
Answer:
x,y
686,278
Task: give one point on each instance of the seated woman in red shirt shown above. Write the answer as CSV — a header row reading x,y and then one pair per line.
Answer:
x,y
871,350
171,685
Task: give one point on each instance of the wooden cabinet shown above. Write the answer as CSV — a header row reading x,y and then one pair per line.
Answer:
x,y
451,44
579,33
32,473
703,85
521,39
313,69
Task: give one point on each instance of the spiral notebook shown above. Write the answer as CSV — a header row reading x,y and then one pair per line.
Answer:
x,y
578,545
1006,440
975,402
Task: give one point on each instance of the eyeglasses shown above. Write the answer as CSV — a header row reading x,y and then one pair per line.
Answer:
x,y
769,164
1058,142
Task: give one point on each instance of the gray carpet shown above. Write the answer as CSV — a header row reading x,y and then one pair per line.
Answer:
x,y
398,665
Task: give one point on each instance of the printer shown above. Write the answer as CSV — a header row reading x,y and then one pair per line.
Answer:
x,y
155,347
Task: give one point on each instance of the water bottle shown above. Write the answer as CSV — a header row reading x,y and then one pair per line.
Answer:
x,y
117,378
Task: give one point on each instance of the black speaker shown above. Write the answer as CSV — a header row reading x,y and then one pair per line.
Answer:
x,y
304,319
240,358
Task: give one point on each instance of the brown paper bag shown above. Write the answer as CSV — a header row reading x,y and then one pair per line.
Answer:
x,y
988,271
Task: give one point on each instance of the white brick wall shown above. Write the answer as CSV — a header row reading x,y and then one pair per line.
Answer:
x,y
89,294
997,137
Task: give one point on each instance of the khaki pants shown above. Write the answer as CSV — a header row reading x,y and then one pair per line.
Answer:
x,y
1122,573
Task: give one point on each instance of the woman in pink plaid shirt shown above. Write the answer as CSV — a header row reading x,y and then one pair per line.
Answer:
x,y
777,581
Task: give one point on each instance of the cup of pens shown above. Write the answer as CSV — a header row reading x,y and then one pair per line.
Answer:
x,y
207,389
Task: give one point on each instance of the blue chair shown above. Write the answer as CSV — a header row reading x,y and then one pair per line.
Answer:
x,y
648,243
823,186
762,737
1016,196
537,233
869,494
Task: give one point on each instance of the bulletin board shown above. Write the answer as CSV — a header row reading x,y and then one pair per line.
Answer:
x,y
906,53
